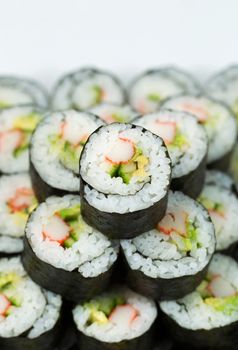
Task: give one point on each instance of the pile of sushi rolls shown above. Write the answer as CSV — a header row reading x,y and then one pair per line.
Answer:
x,y
222,205
86,88
218,121
65,255
223,86
187,145
30,317
112,113
116,319
17,125
55,151
125,175
151,88
170,261
208,317
17,201
16,91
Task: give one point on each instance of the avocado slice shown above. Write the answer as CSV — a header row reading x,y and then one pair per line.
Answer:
x,y
27,122
70,214
69,156
97,91
126,171
154,97
68,242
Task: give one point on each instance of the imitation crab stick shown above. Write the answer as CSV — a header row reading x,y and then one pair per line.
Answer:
x,y
21,200
220,288
123,315
10,140
166,130
121,152
56,229
175,221
199,111
4,304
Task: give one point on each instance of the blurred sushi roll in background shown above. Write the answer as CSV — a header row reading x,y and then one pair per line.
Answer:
x,y
170,261
219,123
17,201
16,91
187,145
112,113
151,88
208,317
117,319
65,255
55,151
31,318
86,88
125,175
16,127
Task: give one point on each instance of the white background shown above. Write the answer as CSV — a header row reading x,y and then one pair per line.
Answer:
x,y
44,38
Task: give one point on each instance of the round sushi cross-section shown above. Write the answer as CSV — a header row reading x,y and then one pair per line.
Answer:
x,y
16,91
65,255
16,127
17,201
187,145
86,88
150,89
55,151
209,314
30,317
222,205
218,121
118,318
112,113
171,260
125,174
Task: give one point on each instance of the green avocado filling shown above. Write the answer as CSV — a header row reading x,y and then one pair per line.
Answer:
x,y
189,242
4,104
180,141
154,97
120,118
8,282
101,308
97,93
210,205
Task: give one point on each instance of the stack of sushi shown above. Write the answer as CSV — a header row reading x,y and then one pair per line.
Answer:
x,y
119,212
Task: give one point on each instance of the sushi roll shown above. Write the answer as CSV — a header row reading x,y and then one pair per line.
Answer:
x,y
86,88
16,127
151,88
125,175
219,123
116,319
187,145
208,317
170,261
31,318
65,255
112,113
16,91
55,151
17,201
222,205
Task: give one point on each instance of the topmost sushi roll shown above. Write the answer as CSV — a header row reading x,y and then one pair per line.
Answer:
x,y
16,91
151,88
86,88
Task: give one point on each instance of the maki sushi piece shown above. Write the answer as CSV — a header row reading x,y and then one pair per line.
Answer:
x,y
65,255
16,91
112,113
187,145
151,88
223,86
17,125
86,88
30,317
208,317
116,319
219,123
170,261
55,151
125,175
222,205
17,201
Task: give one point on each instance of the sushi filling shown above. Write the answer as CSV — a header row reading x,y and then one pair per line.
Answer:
x,y
184,238
116,315
113,113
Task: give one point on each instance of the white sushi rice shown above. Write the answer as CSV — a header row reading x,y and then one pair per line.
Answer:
x,y
111,194
220,124
91,255
10,245
184,160
152,254
75,90
46,161
8,162
36,304
218,178
112,333
193,313
114,113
